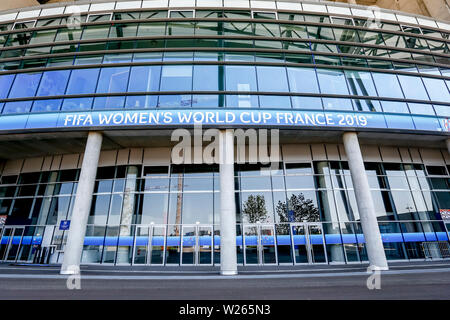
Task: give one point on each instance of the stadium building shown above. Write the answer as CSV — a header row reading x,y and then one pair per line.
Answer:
x,y
92,91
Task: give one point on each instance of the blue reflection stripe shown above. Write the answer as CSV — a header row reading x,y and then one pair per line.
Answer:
x,y
249,240
216,117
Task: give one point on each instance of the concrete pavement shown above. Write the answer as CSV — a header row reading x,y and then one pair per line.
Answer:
x,y
421,280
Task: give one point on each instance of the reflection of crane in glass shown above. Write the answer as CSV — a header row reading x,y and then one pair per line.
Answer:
x,y
179,203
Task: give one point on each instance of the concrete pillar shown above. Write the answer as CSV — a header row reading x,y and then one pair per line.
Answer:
x,y
228,256
448,145
82,206
129,197
372,235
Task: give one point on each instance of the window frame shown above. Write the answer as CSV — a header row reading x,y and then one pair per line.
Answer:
x,y
252,14
98,14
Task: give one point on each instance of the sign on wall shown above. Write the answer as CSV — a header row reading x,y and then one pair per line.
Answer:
x,y
3,220
222,117
445,214
64,225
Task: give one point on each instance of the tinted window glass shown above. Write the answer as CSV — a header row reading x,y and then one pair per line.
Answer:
x,y
5,85
437,89
53,83
303,80
176,78
240,78
272,79
113,80
83,81
144,78
207,78
332,81
387,85
413,87
360,83
25,85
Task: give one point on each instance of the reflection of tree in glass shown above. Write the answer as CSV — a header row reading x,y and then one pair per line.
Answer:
x,y
298,209
254,209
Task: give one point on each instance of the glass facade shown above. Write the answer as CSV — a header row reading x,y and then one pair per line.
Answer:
x,y
203,58
301,212
226,58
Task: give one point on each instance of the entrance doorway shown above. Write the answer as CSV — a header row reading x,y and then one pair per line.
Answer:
x,y
149,245
197,245
308,243
259,245
10,242
192,246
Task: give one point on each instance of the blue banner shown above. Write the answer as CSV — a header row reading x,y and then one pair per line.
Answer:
x,y
222,117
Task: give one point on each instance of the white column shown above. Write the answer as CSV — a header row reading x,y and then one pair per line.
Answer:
x,y
82,206
372,235
228,256
129,197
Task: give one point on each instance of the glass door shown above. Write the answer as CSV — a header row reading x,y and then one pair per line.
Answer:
x,y
141,245
149,245
308,243
158,244
5,242
205,245
317,243
197,245
268,254
188,245
10,243
299,244
260,244
251,242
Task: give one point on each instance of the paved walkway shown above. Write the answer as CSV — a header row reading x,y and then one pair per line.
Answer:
x,y
417,280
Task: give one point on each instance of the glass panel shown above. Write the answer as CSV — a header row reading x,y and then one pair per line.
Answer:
x,y
15,243
413,237
332,81
95,32
387,85
93,244
266,76
392,240
413,87
333,242
5,85
350,242
113,80
82,81
125,244
437,89
176,78
267,242
297,77
189,245
5,241
157,245
205,245
251,244
141,245
284,249
360,83
299,244
240,78
144,79
208,78
25,85
173,247
31,238
316,243
111,241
